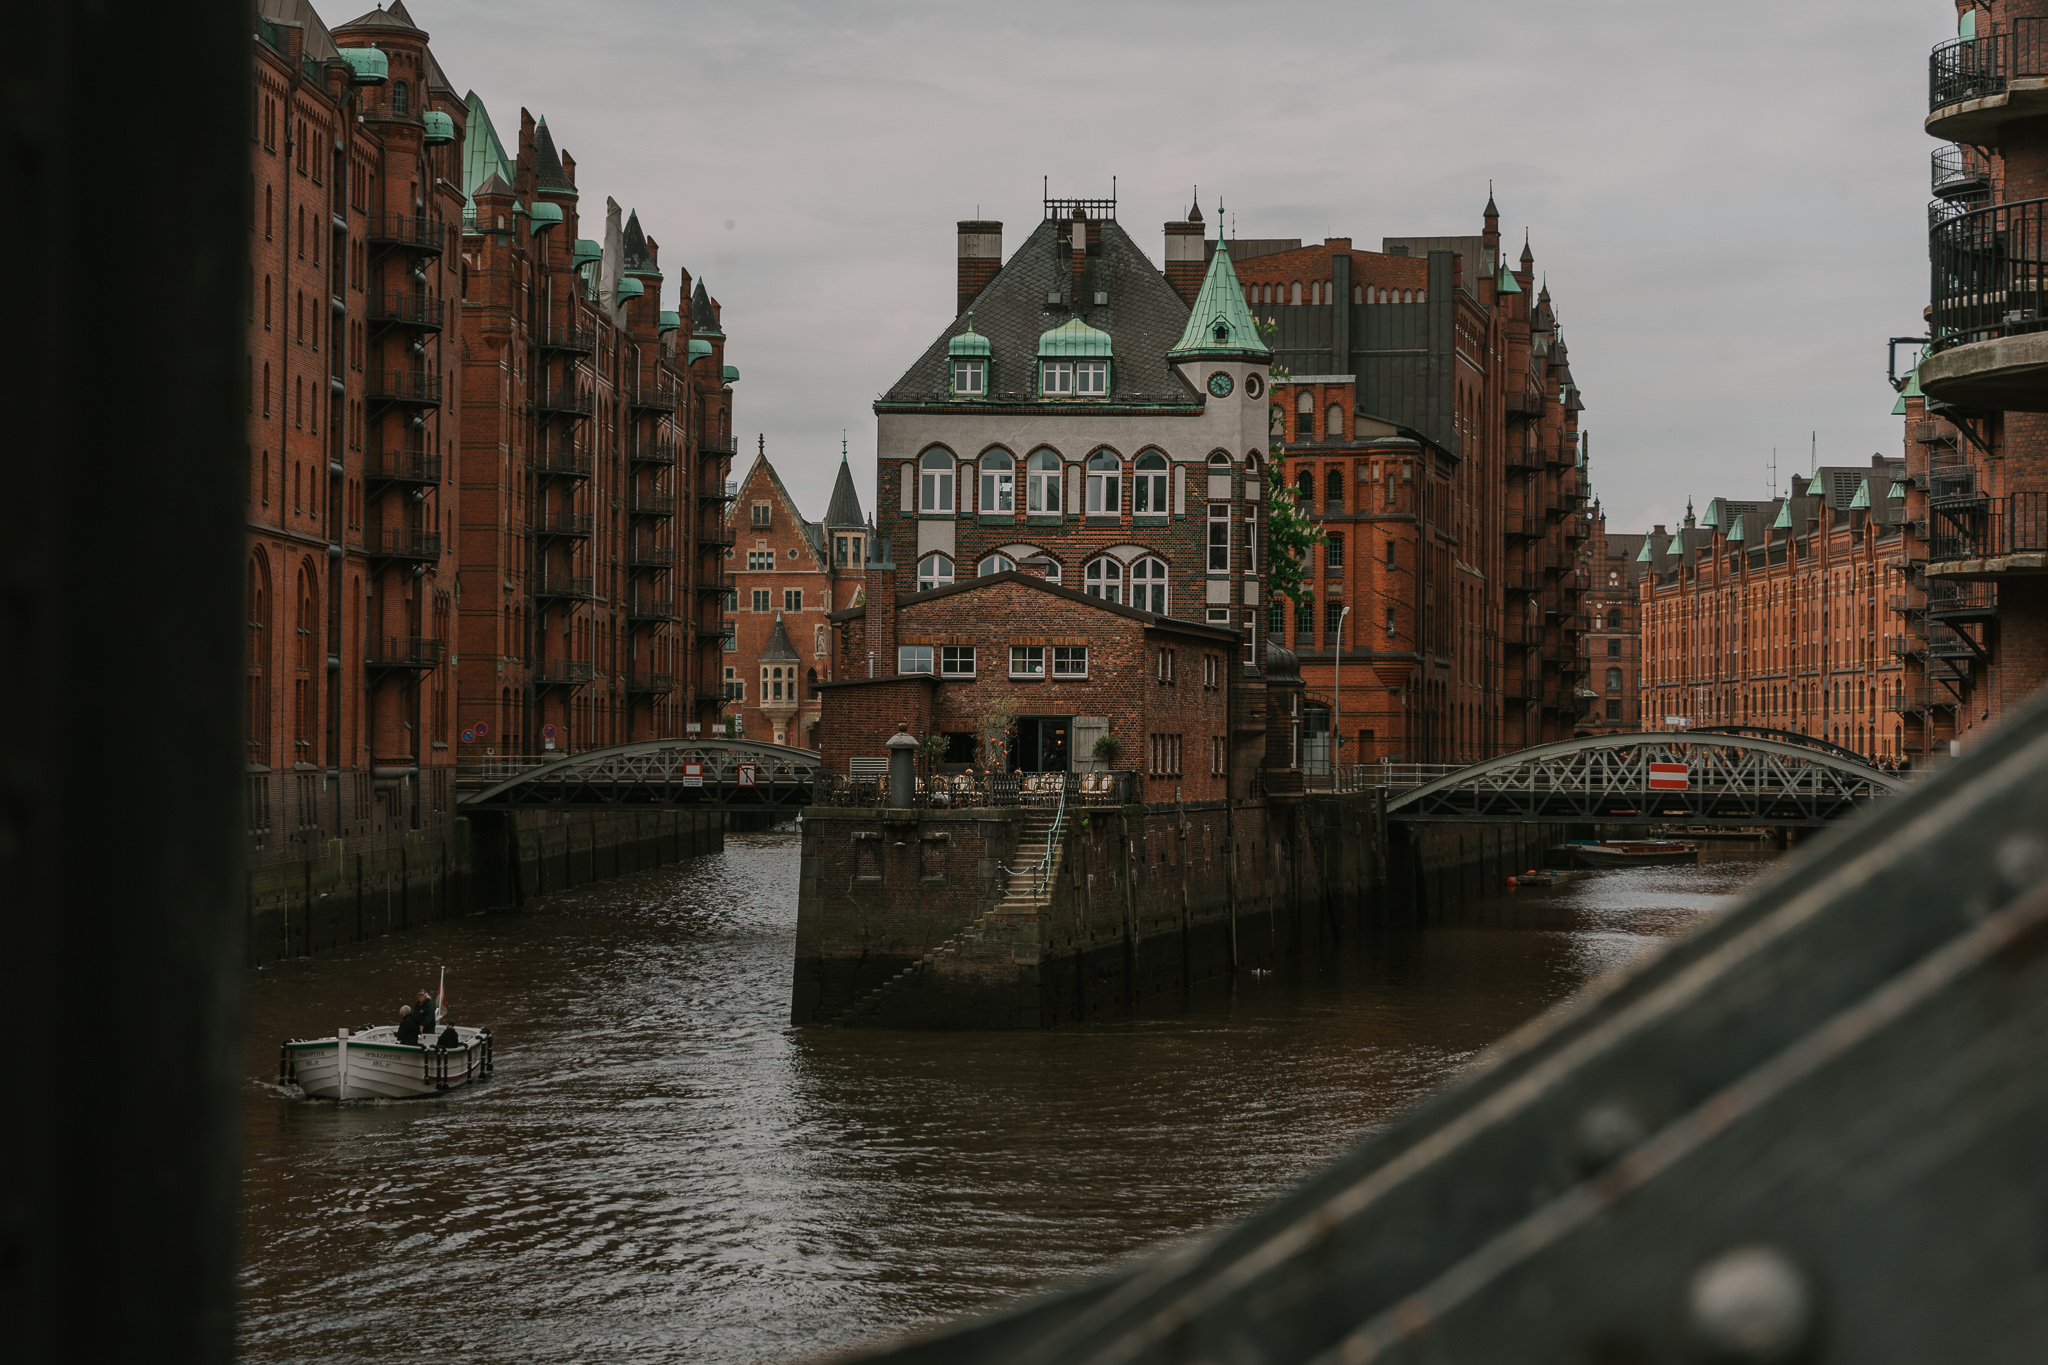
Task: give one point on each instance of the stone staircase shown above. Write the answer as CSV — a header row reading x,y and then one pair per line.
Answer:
x,y
1026,893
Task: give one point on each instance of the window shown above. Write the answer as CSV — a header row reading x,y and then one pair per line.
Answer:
x,y
760,559
839,549
792,599
935,482
913,658
1042,476
1333,615
1148,488
760,514
1027,661
732,600
1216,754
1614,646
1614,680
1614,709
1162,665
995,564
1070,661
1251,540
1614,619
998,482
1104,578
1105,483
1390,553
1333,426
731,642
1333,550
1164,754
735,686
1251,637
760,599
1390,620
1148,585
1091,378
398,97
1305,404
956,661
1212,670
1219,537
970,378
1055,377
934,571
1333,488
778,683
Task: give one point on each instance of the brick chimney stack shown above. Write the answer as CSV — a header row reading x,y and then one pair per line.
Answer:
x,y
981,256
1185,261
1077,261
879,592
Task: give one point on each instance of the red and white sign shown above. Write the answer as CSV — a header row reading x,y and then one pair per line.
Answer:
x,y
747,774
1668,777
693,774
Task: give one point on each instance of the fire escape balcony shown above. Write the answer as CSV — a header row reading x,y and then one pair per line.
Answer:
x,y
573,340
563,587
1524,525
1960,174
651,505
650,683
408,653
1948,601
405,464
564,464
1928,699
1521,633
563,672
1524,462
650,607
716,448
419,232
714,584
1946,642
652,398
658,450
410,388
1525,402
1977,85
408,544
402,308
719,538
648,555
568,525
1988,314
715,496
563,401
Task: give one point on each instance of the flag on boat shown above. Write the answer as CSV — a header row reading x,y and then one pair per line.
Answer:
x,y
441,1001
1668,777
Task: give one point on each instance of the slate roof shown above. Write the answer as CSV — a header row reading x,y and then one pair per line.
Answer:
x,y
1144,318
547,163
844,509
319,43
703,322
635,257
778,647
395,17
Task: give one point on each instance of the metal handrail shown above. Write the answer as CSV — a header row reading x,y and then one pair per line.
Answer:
x,y
1041,871
1989,273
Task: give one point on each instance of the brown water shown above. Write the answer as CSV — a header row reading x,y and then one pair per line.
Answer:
x,y
662,1169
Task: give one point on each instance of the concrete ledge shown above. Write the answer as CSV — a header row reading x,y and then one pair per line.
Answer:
x,y
2031,564
2009,374
1978,121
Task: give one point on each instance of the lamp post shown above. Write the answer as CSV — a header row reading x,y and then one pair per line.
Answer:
x,y
1337,704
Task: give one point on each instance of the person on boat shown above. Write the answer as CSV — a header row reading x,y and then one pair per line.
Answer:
x,y
408,1026
423,1010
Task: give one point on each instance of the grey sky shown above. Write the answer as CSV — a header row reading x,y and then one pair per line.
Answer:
x,y
1727,199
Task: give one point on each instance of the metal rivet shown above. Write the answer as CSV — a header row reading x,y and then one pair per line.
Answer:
x,y
1752,1304
1606,1132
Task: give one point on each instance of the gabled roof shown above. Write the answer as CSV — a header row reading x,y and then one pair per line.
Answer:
x,y
1219,326
483,155
1142,318
844,509
318,43
703,322
812,532
982,582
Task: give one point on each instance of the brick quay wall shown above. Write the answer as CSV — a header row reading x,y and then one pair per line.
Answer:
x,y
321,887
902,921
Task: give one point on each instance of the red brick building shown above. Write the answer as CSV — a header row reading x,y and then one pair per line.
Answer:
x,y
1428,417
1076,667
789,576
1611,647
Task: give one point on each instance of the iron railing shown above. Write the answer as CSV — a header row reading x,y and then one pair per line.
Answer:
x,y
570,586
1961,599
564,464
653,398
403,651
416,231
402,542
2014,524
642,556
1389,776
403,465
576,402
1989,273
651,505
574,524
975,791
650,682
1974,68
1041,871
651,608
409,309
579,340
713,448
1946,642
1958,171
647,450
402,386
563,672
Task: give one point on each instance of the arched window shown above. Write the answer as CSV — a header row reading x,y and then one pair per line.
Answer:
x,y
1315,292
1305,489
256,707
1305,404
1148,585
1104,578
1105,483
935,482
998,482
1333,488
934,571
1042,482
997,563
1297,291
1148,486
1333,425
1357,293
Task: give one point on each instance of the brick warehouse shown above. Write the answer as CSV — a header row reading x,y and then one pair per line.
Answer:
x,y
1429,419
790,575
415,494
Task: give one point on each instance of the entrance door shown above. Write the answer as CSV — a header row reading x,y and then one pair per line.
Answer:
x,y
1041,745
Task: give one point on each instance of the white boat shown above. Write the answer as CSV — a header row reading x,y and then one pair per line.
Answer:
x,y
373,1065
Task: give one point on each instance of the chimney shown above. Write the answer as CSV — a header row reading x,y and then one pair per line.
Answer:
x,y
879,592
981,256
1077,261
1037,566
1184,256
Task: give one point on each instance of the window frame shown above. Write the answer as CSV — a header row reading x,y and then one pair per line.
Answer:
x,y
975,366
1157,581
1028,654
1103,577
907,657
998,470
936,580
982,570
1149,475
1042,479
1069,671
936,472
950,658
1056,379
1219,548
760,600
1103,493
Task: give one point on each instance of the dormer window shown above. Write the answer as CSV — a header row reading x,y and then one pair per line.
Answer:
x,y
970,378
1073,362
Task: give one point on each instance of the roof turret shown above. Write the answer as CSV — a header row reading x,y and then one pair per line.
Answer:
x,y
635,258
703,319
778,649
549,175
1220,327
844,509
1735,535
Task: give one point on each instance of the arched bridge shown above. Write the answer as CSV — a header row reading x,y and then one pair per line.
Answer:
x,y
1689,778
721,774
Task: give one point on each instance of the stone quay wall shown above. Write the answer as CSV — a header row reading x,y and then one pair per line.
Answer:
x,y
901,921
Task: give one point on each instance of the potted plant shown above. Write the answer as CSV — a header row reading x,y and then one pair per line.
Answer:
x,y
1107,747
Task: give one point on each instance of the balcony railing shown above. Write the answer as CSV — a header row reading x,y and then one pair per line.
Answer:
x,y
711,585
563,672
1520,632
651,505
1524,525
1959,172
564,464
574,587
651,608
719,537
715,448
1973,68
646,450
416,652
1907,646
2014,524
404,465
1929,432
407,309
650,556
653,398
1927,698
1961,600
1946,642
1525,403
402,542
414,231
573,524
656,683
403,386
567,401
579,340
1990,273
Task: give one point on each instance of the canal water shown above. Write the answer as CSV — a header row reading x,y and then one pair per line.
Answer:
x,y
663,1170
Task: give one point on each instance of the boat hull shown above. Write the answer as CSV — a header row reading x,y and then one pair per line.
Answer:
x,y
374,1065
1631,855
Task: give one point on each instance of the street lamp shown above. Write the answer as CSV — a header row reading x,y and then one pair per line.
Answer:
x,y
1337,718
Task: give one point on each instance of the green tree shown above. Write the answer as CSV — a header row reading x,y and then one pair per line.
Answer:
x,y
1290,536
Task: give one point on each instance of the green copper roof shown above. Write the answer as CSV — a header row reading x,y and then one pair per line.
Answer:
x,y
1898,490
699,348
587,253
439,127
971,342
1784,521
543,215
1862,498
1074,337
1644,557
670,322
1712,520
630,288
1912,390
371,66
1219,325
732,375
1508,283
483,155
1735,532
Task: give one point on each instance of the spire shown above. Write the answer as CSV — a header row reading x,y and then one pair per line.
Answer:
x,y
547,162
703,321
1219,325
778,649
1492,213
637,259
844,508
1195,209
1528,256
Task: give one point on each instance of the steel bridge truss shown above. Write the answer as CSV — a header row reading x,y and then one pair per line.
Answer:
x,y
721,774
1729,779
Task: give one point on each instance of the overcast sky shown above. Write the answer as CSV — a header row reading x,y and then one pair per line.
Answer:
x,y
1728,199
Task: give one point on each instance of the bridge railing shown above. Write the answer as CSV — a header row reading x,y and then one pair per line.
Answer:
x,y
988,790
1358,777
